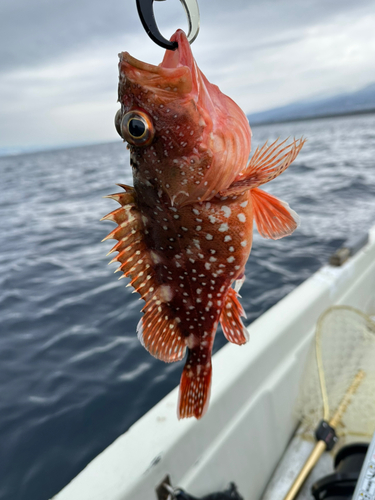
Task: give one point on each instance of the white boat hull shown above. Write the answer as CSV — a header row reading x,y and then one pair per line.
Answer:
x,y
250,419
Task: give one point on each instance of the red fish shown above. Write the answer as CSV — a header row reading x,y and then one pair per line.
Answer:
x,y
185,229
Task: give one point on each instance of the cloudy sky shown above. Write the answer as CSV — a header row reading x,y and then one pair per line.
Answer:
x,y
58,58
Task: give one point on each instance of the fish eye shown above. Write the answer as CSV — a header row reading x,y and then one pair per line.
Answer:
x,y
137,128
118,122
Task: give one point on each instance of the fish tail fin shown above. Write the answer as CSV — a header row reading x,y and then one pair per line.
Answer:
x,y
195,386
273,217
267,162
230,319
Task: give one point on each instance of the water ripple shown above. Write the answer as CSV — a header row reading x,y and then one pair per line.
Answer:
x,y
73,375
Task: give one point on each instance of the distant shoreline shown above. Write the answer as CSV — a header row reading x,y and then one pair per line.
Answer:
x,y
16,151
315,117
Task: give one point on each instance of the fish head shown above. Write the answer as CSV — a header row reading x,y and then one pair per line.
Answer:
x,y
186,137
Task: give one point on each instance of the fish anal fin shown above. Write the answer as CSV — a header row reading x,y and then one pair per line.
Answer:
x,y
195,387
230,319
266,163
159,332
273,217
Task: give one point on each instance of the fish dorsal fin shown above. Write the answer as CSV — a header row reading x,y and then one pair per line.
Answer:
x,y
158,329
230,319
273,217
159,332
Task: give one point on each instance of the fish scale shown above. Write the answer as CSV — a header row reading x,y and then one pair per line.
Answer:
x,y
185,229
192,261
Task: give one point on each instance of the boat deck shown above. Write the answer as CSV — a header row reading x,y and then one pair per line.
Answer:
x,y
250,421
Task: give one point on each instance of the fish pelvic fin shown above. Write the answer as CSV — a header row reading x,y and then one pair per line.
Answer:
x,y
158,330
273,217
266,163
195,386
230,319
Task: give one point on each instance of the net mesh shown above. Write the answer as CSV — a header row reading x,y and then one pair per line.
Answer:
x,y
344,347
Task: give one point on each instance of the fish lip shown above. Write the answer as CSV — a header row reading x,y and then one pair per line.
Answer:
x,y
137,64
182,57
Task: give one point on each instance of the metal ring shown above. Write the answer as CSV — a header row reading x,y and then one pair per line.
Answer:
x,y
146,14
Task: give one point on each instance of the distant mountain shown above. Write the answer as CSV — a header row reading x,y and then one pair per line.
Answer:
x,y
361,101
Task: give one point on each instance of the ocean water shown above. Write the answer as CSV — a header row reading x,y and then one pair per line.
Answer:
x,y
73,376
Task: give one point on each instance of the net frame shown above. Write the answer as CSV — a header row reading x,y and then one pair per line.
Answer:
x,y
344,345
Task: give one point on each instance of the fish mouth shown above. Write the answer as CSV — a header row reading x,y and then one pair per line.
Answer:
x,y
176,69
182,56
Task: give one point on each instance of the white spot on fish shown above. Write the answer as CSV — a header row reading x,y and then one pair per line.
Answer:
x,y
191,341
227,211
223,227
231,249
244,204
156,259
212,219
207,265
209,237
227,238
230,259
243,243
241,217
165,293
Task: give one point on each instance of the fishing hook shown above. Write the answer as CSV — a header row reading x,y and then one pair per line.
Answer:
x,y
146,14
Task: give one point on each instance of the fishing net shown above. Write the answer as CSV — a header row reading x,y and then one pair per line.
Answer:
x,y
342,357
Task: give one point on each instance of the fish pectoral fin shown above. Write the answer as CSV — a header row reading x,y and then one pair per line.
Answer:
x,y
273,217
195,387
266,163
230,319
159,332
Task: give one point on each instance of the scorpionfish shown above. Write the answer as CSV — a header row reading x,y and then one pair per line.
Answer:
x,y
184,231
